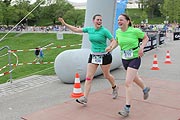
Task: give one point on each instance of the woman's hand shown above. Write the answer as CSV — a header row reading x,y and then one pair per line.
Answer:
x,y
109,49
61,20
141,51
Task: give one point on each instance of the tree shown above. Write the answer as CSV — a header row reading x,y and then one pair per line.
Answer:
x,y
59,8
23,7
75,17
1,13
141,4
36,14
170,9
144,16
151,7
8,13
14,11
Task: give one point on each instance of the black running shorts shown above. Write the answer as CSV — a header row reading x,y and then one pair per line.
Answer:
x,y
132,63
106,59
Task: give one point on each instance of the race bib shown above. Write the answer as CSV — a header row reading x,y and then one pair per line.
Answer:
x,y
97,59
126,54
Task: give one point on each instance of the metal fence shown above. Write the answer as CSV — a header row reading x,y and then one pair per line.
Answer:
x,y
156,38
9,62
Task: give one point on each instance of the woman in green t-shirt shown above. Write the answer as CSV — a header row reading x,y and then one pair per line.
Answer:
x,y
100,54
131,53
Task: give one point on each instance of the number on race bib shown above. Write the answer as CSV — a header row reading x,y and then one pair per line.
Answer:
x,y
127,54
97,59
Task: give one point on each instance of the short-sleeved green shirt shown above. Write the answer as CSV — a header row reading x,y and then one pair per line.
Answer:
x,y
129,39
98,38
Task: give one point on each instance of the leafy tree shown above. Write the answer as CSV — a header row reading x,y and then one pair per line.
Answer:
x,y
1,13
8,14
7,2
141,4
64,6
75,17
23,8
59,8
37,13
144,16
170,9
151,7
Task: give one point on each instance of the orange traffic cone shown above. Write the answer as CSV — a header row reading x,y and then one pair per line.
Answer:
x,y
77,92
168,60
155,64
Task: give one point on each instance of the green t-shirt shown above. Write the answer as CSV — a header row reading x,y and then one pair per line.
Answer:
x,y
129,39
98,38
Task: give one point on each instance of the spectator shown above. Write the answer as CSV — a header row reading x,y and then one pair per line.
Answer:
x,y
36,52
41,55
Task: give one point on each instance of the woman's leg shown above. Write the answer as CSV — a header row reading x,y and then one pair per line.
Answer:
x,y
130,76
141,84
110,78
107,74
91,69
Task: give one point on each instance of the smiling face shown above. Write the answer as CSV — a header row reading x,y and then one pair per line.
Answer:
x,y
97,20
123,22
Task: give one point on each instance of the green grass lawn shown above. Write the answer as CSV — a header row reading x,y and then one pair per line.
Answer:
x,y
27,41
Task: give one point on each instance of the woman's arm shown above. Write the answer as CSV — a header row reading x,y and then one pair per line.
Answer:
x,y
112,45
144,42
72,28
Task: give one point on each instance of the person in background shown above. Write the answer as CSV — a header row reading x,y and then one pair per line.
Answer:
x,y
131,53
36,52
100,54
41,55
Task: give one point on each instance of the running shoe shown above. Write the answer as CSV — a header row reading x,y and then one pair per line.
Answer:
x,y
124,112
115,93
82,100
146,92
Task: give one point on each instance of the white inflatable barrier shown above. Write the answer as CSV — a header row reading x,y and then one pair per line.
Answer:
x,y
70,62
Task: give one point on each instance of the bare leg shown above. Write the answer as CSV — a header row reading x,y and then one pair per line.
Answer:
x,y
91,69
130,76
107,74
110,78
139,82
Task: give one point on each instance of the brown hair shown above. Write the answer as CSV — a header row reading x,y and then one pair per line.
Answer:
x,y
127,18
96,16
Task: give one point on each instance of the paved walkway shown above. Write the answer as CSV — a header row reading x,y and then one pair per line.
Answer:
x,y
47,98
25,84
163,104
